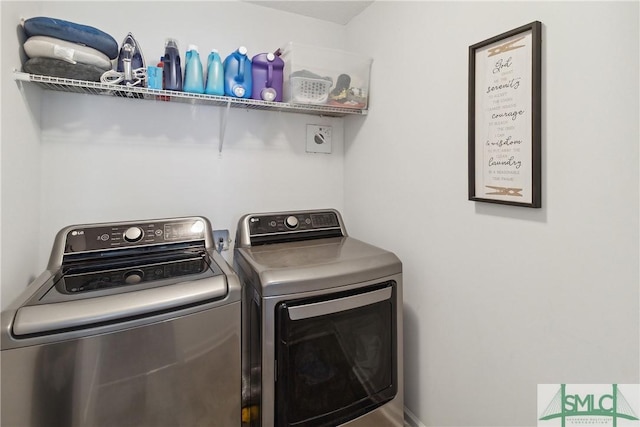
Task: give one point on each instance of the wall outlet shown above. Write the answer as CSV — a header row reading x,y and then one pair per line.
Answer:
x,y
221,240
319,139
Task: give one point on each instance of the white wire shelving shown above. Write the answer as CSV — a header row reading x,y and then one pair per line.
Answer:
x,y
142,93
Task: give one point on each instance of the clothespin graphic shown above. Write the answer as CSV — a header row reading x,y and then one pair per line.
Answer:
x,y
505,47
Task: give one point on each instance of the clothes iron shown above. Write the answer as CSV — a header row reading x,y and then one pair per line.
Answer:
x,y
131,62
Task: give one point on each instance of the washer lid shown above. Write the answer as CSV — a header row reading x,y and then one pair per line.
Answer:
x,y
112,275
43,318
293,267
93,279
102,293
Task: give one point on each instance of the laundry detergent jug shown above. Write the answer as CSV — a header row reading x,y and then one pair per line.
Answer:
x,y
193,78
172,71
267,73
237,74
215,74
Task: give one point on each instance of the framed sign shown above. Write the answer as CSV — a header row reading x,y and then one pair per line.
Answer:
x,y
504,118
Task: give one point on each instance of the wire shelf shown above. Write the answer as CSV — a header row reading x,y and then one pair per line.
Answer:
x,y
132,92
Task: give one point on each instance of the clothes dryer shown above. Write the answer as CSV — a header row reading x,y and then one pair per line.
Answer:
x,y
322,323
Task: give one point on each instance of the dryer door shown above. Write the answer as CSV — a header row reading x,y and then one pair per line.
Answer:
x,y
336,356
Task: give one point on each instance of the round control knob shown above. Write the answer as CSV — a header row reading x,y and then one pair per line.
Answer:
x,y
133,277
291,221
133,234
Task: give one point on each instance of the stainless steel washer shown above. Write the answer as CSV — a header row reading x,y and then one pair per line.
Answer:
x,y
322,323
132,324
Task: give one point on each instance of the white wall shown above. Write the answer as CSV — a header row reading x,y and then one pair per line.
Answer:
x,y
500,298
107,159
20,167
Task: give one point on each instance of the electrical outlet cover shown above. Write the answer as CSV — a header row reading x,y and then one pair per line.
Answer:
x,y
319,139
221,240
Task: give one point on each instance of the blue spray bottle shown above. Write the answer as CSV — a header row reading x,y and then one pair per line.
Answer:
x,y
215,74
193,77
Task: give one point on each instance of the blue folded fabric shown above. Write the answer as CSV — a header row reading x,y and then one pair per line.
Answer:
x,y
72,32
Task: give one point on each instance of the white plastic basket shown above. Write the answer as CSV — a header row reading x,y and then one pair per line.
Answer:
x,y
309,91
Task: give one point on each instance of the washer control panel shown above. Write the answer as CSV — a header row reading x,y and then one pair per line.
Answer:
x,y
122,235
292,222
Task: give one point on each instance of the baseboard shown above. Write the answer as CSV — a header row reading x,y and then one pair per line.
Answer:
x,y
411,420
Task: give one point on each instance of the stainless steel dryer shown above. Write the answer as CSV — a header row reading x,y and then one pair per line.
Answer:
x,y
132,324
322,323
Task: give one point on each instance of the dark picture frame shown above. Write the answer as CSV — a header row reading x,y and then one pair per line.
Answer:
x,y
505,118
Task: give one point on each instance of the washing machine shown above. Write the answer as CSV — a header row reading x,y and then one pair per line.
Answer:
x,y
132,324
322,323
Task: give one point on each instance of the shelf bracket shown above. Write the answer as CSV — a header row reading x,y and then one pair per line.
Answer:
x,y
223,126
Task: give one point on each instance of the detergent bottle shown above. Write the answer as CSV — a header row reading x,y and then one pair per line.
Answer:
x,y
267,71
237,74
215,74
172,71
193,78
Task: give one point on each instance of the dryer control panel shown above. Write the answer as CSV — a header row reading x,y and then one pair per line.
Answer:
x,y
282,223
260,229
